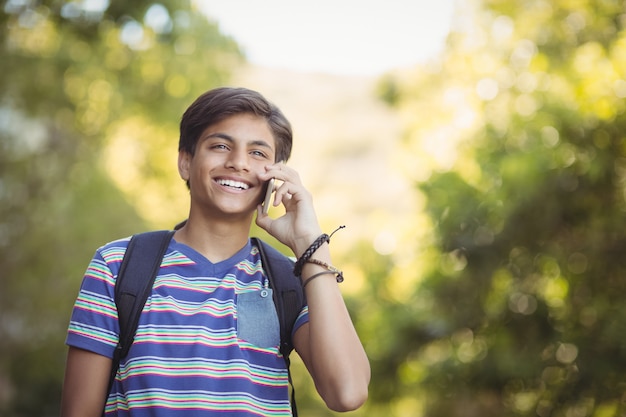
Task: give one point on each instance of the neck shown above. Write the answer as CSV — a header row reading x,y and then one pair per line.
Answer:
x,y
216,240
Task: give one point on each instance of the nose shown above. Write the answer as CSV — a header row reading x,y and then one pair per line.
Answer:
x,y
237,160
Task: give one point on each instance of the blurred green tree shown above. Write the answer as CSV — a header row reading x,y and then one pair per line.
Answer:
x,y
523,122
69,73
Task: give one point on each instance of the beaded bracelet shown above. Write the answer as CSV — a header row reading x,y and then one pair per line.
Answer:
x,y
323,238
312,277
337,272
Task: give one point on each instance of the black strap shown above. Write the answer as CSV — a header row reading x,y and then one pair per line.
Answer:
x,y
136,276
288,299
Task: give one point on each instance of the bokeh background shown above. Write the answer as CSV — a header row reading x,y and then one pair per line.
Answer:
x,y
483,185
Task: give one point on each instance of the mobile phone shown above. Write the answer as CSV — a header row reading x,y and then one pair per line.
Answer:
x,y
268,195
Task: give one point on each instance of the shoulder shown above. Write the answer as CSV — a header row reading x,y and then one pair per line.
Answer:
x,y
152,240
118,243
113,251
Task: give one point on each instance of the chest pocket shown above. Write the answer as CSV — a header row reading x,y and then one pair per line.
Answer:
x,y
257,321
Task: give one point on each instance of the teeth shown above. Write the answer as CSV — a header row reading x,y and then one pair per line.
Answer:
x,y
234,184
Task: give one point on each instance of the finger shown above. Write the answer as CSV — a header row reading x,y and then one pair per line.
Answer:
x,y
284,193
281,171
263,220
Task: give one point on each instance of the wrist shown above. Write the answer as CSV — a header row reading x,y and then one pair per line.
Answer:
x,y
304,256
303,243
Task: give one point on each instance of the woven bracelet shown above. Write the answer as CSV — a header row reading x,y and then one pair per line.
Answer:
x,y
323,238
297,269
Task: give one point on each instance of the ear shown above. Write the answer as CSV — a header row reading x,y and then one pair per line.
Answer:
x,y
184,163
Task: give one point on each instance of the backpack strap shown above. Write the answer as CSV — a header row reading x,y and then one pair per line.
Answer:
x,y
136,276
288,298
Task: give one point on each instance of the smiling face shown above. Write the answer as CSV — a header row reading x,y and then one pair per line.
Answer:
x,y
223,172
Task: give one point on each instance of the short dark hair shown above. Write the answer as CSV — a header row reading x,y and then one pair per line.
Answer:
x,y
220,103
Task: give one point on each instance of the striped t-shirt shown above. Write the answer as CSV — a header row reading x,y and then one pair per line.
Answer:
x,y
207,342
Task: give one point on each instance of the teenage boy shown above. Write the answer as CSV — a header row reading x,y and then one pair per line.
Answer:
x,y
190,357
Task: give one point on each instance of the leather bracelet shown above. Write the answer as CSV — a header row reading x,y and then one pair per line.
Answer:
x,y
323,238
297,269
312,277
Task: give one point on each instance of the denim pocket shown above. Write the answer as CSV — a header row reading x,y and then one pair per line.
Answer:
x,y
257,321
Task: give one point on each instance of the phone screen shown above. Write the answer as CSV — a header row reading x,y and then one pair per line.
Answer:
x,y
268,196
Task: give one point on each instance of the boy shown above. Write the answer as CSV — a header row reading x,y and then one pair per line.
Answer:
x,y
194,359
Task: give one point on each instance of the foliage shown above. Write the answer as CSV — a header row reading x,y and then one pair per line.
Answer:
x,y
72,76
515,137
527,210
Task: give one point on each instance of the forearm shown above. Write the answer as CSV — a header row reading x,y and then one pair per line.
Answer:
x,y
328,344
337,360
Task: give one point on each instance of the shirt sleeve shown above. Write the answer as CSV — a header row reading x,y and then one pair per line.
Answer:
x,y
303,318
93,324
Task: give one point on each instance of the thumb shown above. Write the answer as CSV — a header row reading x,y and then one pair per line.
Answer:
x,y
263,220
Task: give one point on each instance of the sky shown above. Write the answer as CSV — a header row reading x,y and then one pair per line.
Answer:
x,y
347,37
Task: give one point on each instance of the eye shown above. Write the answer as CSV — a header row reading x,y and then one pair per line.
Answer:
x,y
259,153
219,146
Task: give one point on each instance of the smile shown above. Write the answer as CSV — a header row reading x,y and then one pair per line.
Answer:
x,y
233,184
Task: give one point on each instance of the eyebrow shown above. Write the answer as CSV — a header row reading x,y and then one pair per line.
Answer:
x,y
230,139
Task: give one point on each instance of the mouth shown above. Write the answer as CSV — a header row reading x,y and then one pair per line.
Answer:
x,y
232,184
